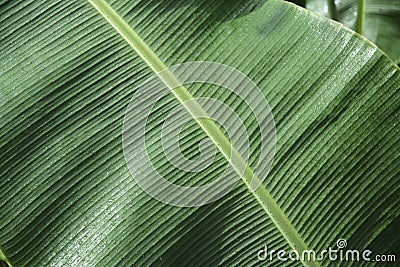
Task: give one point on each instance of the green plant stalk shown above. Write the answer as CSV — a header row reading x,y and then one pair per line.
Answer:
x,y
4,258
211,129
360,17
332,10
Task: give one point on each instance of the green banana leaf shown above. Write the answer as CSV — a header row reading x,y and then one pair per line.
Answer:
x,y
67,76
377,20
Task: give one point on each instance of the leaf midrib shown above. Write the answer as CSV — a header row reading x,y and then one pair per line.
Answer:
x,y
267,202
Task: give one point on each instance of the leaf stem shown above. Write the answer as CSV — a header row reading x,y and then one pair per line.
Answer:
x,y
332,10
360,17
267,202
4,258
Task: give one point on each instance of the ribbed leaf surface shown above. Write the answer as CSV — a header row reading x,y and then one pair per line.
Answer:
x,y
377,20
67,77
